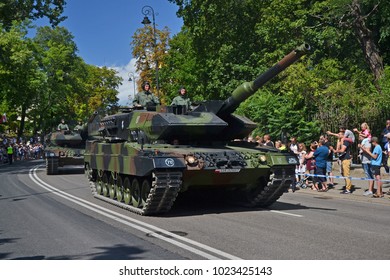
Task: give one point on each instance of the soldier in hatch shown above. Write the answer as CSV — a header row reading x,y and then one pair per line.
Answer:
x,y
182,99
145,97
62,126
79,127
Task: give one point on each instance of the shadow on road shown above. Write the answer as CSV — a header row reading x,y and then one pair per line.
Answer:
x,y
115,252
195,203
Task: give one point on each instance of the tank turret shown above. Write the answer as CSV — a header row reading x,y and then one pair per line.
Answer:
x,y
68,139
64,147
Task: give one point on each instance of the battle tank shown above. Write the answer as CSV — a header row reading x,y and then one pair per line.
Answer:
x,y
144,158
64,147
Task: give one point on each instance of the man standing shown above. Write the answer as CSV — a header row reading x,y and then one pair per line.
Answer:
x,y
385,144
365,159
385,131
145,97
344,151
329,160
376,162
321,155
10,153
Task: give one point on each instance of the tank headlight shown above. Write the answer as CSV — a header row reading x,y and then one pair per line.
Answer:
x,y
263,158
191,160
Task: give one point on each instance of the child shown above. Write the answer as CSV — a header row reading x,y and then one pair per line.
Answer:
x,y
365,133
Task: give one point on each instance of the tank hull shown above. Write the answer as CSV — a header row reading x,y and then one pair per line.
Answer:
x,y
129,174
57,157
63,148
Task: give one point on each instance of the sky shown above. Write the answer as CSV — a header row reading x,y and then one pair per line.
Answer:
x,y
102,31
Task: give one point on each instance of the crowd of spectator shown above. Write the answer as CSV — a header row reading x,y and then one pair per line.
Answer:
x,y
316,160
12,150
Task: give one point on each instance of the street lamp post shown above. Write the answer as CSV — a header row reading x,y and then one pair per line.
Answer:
x,y
147,10
132,79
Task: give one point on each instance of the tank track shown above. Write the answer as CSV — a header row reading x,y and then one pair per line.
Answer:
x,y
52,166
164,190
279,181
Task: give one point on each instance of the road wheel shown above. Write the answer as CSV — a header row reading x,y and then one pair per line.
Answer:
x,y
112,187
105,185
99,185
145,190
135,193
119,189
127,190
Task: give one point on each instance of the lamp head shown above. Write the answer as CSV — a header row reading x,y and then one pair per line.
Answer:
x,y
146,20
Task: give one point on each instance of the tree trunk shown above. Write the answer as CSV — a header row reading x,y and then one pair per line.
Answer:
x,y
364,36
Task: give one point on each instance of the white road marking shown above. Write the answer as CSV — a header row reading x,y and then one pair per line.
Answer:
x,y
285,213
142,226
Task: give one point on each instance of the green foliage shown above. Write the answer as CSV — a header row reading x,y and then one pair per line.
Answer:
x,y
221,34
56,53
179,68
275,113
20,77
385,83
150,54
233,41
43,80
20,10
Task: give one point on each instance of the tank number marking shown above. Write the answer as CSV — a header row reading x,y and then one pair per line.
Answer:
x,y
123,125
169,162
292,160
234,170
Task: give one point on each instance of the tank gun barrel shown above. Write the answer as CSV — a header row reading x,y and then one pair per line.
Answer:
x,y
247,89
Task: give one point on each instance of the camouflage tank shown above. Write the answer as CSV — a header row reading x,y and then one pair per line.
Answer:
x,y
145,158
64,148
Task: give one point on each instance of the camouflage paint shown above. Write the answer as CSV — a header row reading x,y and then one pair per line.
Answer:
x,y
136,164
63,149
130,159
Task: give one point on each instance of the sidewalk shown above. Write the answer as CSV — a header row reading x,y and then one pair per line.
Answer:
x,y
359,186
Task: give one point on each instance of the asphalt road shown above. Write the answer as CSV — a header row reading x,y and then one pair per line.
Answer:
x,y
56,217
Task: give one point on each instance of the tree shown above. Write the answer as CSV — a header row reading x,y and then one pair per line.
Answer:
x,y
179,67
20,10
20,76
43,80
226,49
148,54
55,51
74,89
230,43
358,18
97,90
